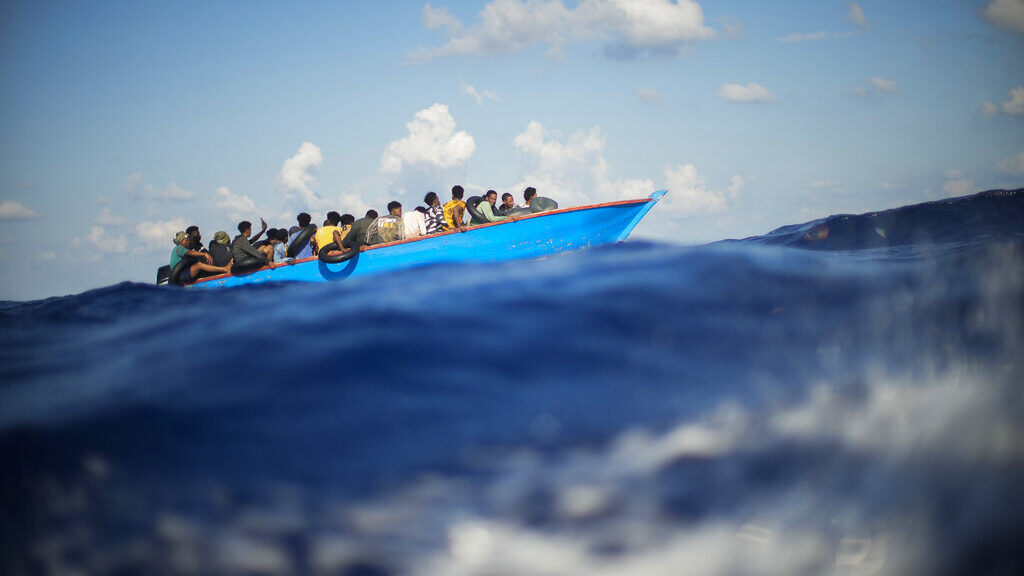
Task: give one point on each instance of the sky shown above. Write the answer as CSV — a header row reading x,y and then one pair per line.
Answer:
x,y
124,122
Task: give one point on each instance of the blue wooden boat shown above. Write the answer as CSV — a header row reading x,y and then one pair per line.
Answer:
x,y
532,236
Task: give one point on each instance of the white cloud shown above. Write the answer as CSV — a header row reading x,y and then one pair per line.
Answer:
x,y
136,187
235,205
574,172
627,26
1014,165
99,241
479,95
107,218
159,234
47,255
1005,14
1013,107
855,14
296,179
649,95
876,85
13,210
956,184
798,37
883,85
432,143
749,93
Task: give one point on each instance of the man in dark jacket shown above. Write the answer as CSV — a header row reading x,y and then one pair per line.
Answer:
x,y
243,252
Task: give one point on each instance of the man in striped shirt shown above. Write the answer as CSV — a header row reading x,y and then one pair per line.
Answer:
x,y
435,213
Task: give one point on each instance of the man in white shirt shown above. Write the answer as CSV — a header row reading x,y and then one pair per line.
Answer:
x,y
415,222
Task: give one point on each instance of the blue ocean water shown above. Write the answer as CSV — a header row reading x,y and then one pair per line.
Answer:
x,y
842,396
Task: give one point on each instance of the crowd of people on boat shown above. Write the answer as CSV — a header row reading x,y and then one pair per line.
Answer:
x,y
342,233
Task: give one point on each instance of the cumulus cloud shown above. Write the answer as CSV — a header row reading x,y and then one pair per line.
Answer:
x,y
479,95
158,235
107,218
855,14
806,37
296,177
626,26
14,210
1005,14
235,205
649,95
432,151
1014,106
1014,165
574,171
136,187
98,241
956,184
749,93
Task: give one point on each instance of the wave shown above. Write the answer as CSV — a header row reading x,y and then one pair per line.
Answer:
x,y
632,409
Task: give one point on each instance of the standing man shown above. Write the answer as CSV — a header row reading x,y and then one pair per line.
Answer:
x,y
455,211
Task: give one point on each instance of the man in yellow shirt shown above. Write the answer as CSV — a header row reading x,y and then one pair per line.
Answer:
x,y
326,234
455,211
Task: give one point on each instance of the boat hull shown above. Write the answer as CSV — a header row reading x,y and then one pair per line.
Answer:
x,y
532,236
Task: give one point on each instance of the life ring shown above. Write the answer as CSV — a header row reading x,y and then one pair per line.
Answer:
x,y
521,211
476,217
301,241
338,256
542,204
179,268
247,265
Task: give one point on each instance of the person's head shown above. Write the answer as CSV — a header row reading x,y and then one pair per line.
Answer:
x,y
431,199
195,239
491,197
347,219
180,237
244,227
395,208
326,223
371,213
221,237
508,200
457,192
333,217
282,235
529,194
421,209
272,236
304,219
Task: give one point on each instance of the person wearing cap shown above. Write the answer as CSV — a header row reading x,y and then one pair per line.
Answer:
x,y
203,262
220,248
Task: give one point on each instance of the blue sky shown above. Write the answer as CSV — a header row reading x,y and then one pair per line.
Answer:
x,y
124,122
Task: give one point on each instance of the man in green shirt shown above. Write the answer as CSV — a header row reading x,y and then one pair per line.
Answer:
x,y
486,208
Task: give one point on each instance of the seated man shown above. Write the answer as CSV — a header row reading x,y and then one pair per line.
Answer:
x,y
304,219
203,263
220,248
325,234
508,204
538,203
455,211
435,213
243,252
357,235
415,222
387,228
281,247
486,208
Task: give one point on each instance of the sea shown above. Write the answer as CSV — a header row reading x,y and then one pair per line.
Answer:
x,y
842,396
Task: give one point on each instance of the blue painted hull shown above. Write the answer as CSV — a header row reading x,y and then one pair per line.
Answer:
x,y
531,237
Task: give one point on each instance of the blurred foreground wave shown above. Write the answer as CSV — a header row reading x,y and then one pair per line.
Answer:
x,y
842,396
